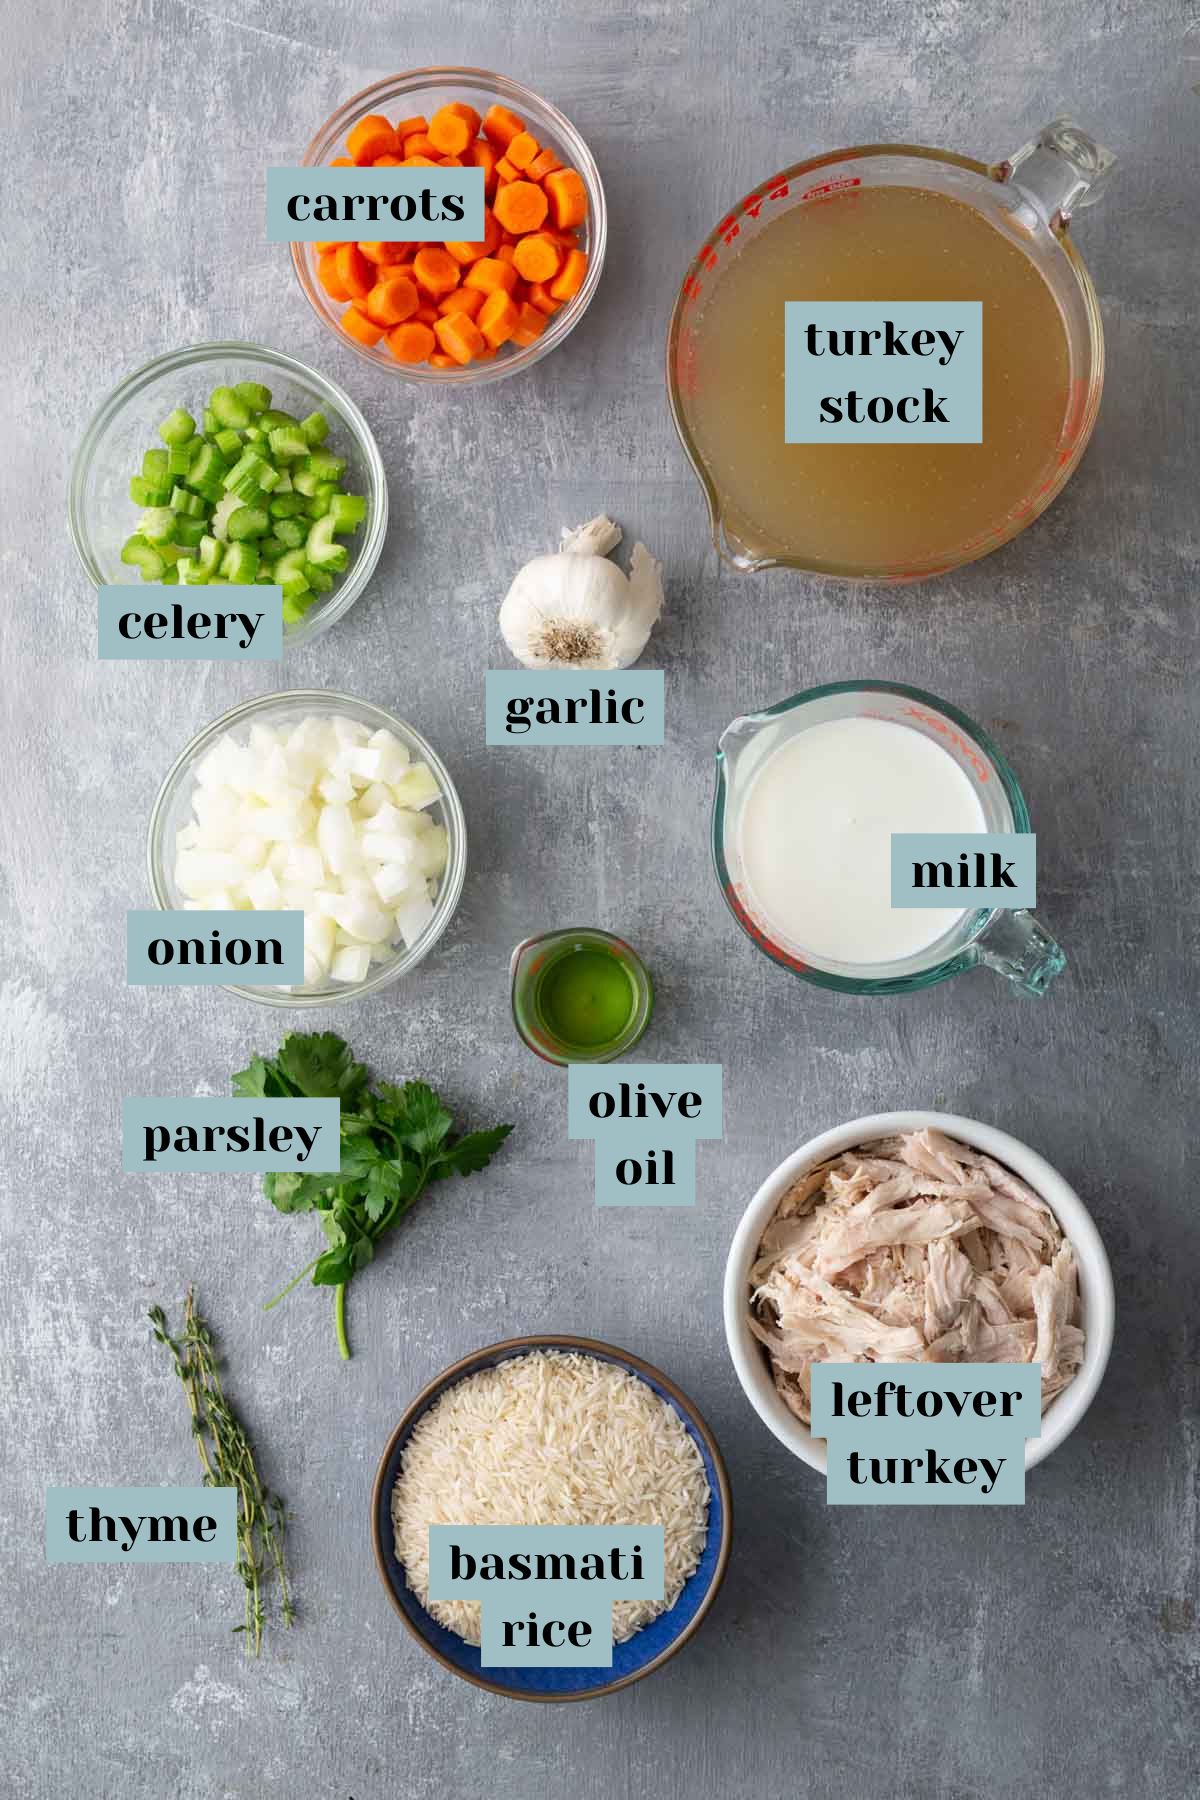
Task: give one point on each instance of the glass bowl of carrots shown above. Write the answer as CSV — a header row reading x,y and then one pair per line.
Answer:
x,y
102,513
459,312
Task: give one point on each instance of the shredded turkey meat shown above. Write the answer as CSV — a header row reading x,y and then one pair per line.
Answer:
x,y
914,1249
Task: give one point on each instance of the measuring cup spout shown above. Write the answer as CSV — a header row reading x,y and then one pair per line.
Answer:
x,y
1016,946
1059,172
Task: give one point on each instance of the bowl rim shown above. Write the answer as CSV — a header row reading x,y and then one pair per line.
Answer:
x,y
466,1365
319,618
449,894
499,87
1095,1272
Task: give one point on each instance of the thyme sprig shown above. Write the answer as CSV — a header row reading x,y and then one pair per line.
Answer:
x,y
227,1459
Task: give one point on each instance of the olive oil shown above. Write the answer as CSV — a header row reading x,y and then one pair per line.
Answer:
x,y
875,507
585,998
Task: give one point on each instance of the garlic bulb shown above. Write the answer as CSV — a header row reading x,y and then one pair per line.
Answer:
x,y
578,610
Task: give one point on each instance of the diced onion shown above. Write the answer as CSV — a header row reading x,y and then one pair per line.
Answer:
x,y
321,817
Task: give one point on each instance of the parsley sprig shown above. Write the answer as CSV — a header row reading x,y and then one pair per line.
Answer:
x,y
395,1141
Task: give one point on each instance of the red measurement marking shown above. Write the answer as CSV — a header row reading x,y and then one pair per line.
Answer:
x,y
963,745
831,187
759,935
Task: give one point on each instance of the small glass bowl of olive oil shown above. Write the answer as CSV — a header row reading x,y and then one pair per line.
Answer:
x,y
581,995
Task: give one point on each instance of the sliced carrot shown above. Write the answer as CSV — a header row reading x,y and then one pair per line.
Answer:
x,y
451,162
569,280
522,149
327,275
496,319
507,253
463,299
460,337
490,274
426,313
521,205
500,126
568,197
439,360
420,144
354,272
342,162
372,137
392,300
410,127
386,162
357,325
436,270
419,162
537,256
449,132
385,252
541,297
529,326
411,343
482,155
330,244
543,164
485,356
506,172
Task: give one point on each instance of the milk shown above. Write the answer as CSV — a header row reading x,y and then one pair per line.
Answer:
x,y
815,837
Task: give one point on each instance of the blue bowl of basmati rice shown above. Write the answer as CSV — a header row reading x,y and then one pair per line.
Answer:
x,y
700,1546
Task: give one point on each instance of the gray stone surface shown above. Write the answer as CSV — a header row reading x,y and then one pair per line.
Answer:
x,y
906,1654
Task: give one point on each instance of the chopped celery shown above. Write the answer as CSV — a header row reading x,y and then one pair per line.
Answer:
x,y
177,427
210,554
318,579
248,491
229,443
286,506
290,532
189,532
170,577
270,548
248,522
210,422
191,505
209,463
288,442
191,573
272,419
305,482
322,550
347,511
254,395
240,563
318,506
157,525
248,463
143,557
143,494
154,468
326,466
268,478
179,457
315,428
230,409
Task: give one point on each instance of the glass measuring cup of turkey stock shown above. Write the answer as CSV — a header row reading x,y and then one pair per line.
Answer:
x,y
889,223
1010,941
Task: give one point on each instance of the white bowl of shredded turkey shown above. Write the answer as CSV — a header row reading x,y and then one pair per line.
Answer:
x,y
916,1237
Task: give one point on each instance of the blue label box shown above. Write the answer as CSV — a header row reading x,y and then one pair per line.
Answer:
x,y
926,1434
146,622
905,372
411,205
964,868
303,1135
141,1524
557,706
552,1588
646,1119
273,943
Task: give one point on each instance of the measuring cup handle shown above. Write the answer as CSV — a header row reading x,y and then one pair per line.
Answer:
x,y
1016,946
1060,171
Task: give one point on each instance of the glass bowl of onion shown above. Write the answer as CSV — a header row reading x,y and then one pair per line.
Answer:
x,y
317,802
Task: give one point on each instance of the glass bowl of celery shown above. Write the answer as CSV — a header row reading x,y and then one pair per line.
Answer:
x,y
232,463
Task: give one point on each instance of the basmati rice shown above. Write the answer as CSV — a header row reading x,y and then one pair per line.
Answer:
x,y
551,1438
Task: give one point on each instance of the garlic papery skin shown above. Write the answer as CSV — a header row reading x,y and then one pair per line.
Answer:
x,y
577,610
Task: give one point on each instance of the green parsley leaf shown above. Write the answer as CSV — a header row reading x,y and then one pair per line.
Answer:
x,y
319,1065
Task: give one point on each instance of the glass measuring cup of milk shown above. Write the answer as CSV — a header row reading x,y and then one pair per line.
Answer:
x,y
808,794
889,223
